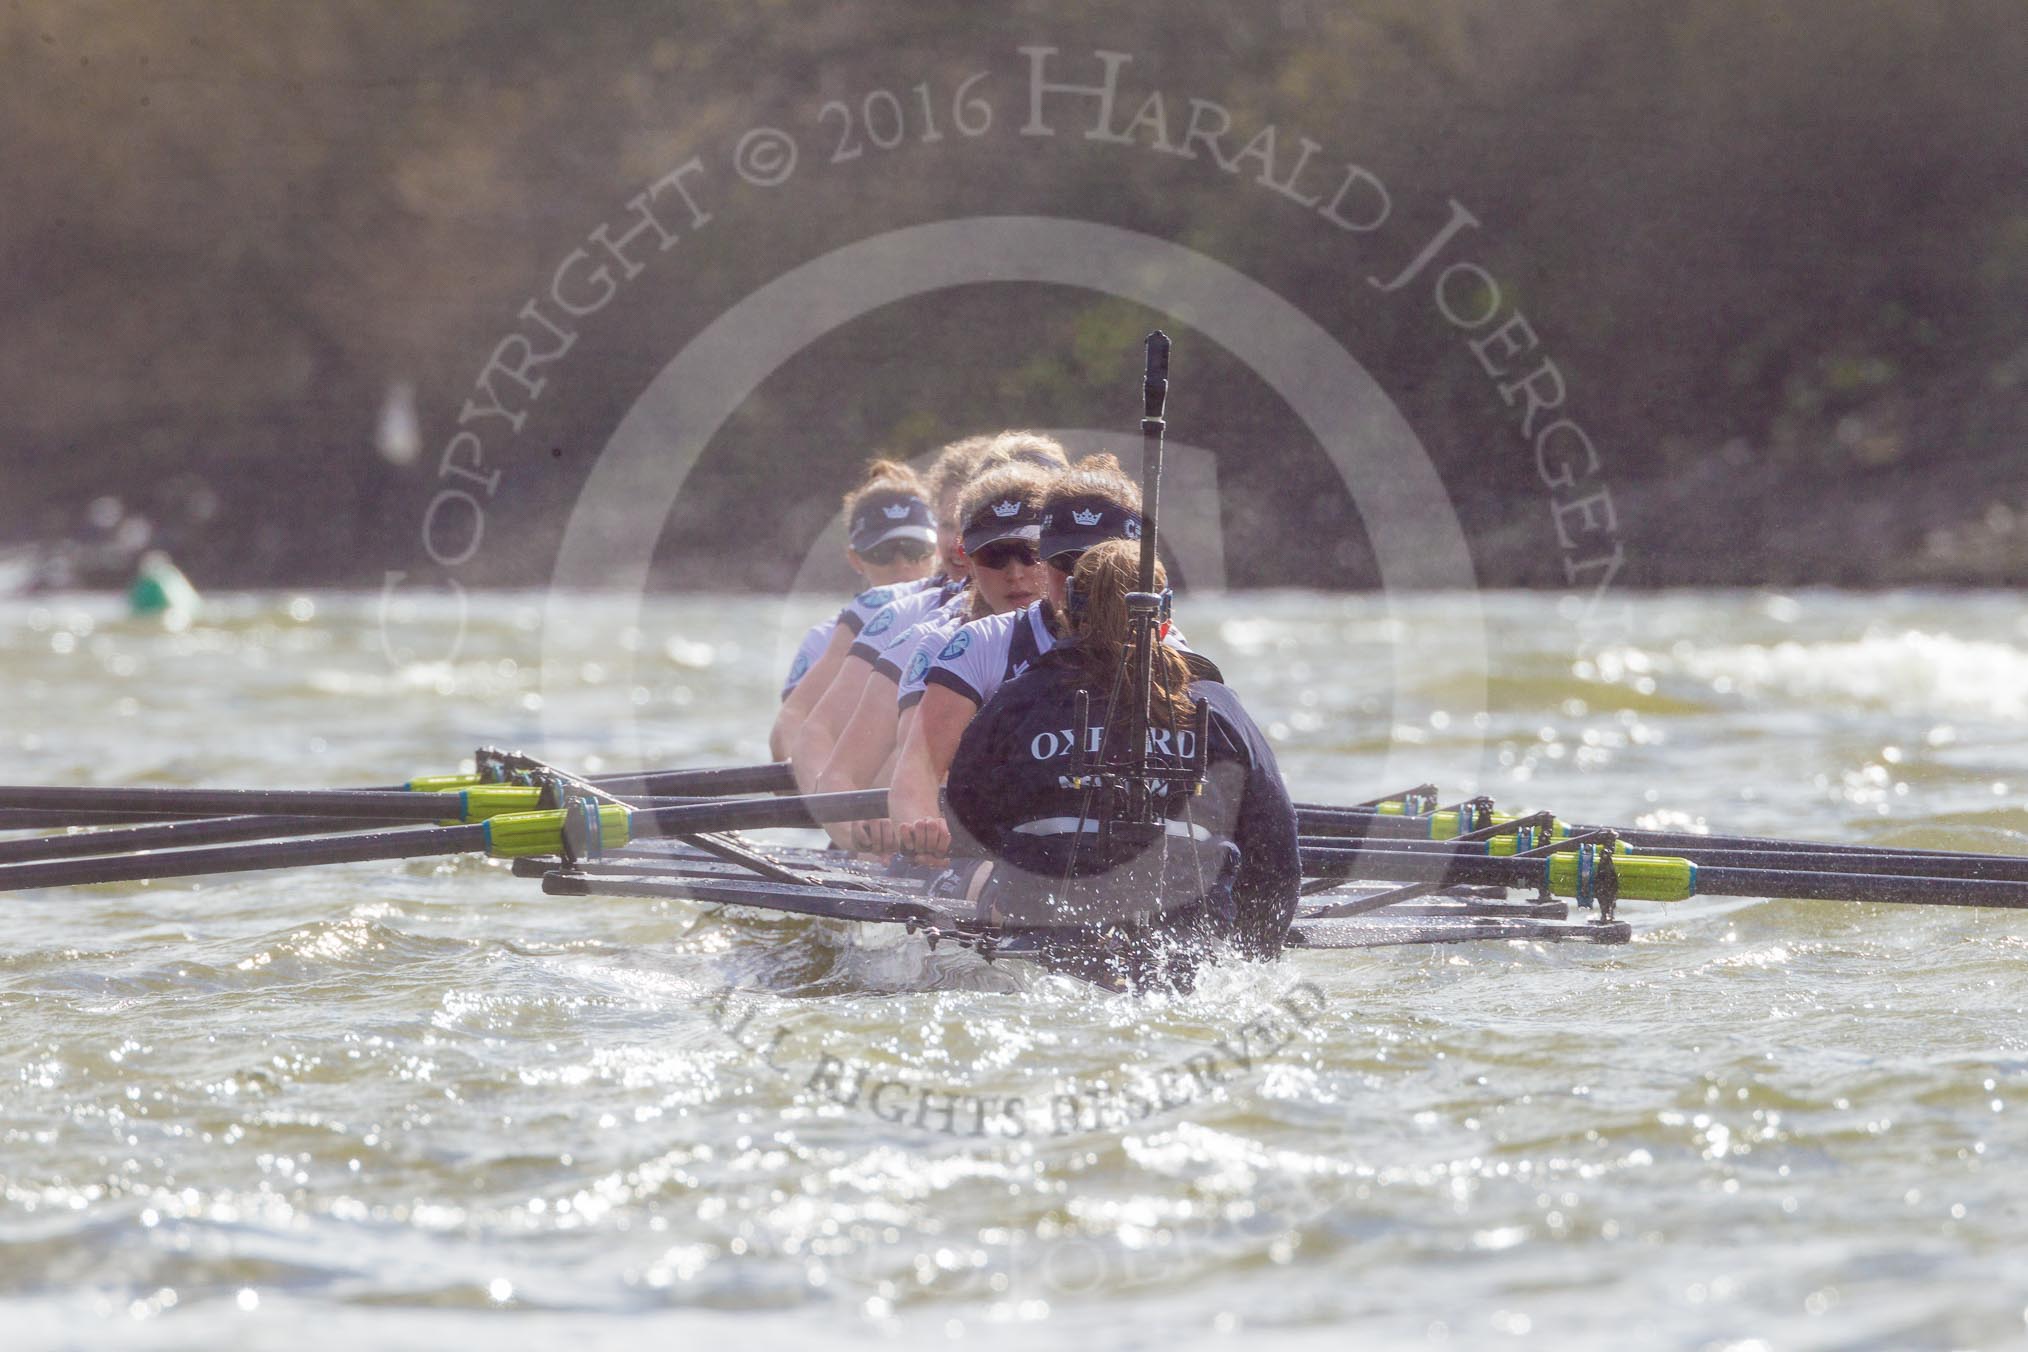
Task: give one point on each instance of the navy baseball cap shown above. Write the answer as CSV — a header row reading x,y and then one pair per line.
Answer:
x,y
891,514
1073,525
1007,518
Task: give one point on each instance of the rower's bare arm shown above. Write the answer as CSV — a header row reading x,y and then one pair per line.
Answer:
x,y
796,708
904,725
810,750
914,789
940,720
866,744
876,836
862,752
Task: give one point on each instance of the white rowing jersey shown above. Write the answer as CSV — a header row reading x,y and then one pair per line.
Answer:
x,y
861,609
984,655
909,665
807,652
891,623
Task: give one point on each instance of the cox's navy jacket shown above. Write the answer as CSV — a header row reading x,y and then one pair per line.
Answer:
x,y
1229,858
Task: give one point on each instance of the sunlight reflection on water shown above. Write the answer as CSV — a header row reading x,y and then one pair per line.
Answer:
x,y
387,1102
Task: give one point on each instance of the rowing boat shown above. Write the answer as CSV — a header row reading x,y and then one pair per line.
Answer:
x,y
1402,868
1344,916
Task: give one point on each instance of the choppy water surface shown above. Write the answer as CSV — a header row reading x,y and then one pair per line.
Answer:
x,y
417,1104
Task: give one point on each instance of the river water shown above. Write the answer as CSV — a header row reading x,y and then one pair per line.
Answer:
x,y
420,1104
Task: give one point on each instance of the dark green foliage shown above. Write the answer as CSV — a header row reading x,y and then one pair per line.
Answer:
x,y
1779,252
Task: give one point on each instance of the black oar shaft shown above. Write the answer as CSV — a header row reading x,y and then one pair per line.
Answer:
x,y
1321,820
379,804
1442,865
171,835
1349,824
407,843
1900,890
1992,867
1452,862
759,813
725,782
1975,867
1674,842
679,817
34,807
34,819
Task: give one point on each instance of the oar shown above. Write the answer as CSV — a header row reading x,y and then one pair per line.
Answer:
x,y
414,842
508,835
441,801
39,807
377,804
721,845
723,782
216,830
471,804
1643,877
1677,841
34,819
1322,820
1995,867
755,814
169,835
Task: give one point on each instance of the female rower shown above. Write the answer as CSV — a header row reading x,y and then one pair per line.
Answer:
x,y
892,629
1001,519
885,487
890,538
1223,866
1086,505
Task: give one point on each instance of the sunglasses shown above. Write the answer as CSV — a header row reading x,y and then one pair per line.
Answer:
x,y
893,551
1005,554
1066,562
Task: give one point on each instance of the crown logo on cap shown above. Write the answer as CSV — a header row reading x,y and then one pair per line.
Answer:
x,y
1086,518
897,512
1008,508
